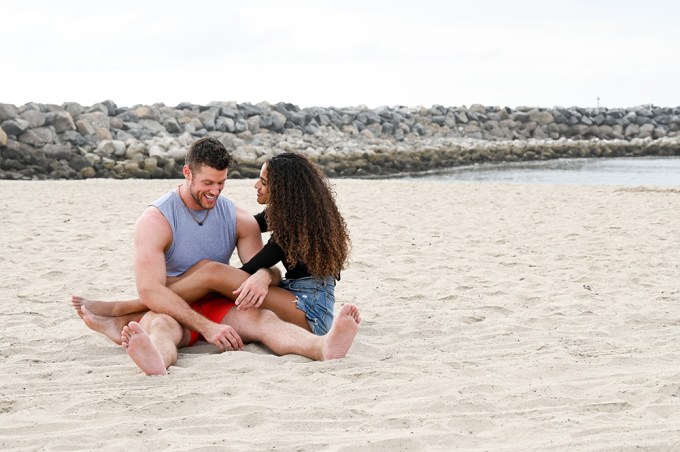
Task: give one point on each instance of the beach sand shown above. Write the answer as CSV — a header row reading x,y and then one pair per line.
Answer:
x,y
496,317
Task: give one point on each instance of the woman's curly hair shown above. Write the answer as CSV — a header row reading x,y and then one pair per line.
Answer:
x,y
303,216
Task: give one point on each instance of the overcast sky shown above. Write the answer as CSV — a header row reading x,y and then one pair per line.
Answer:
x,y
342,53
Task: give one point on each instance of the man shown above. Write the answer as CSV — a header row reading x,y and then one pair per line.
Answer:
x,y
179,230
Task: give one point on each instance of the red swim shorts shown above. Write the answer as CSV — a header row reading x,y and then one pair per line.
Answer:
x,y
213,307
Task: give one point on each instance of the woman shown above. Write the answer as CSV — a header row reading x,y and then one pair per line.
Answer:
x,y
308,235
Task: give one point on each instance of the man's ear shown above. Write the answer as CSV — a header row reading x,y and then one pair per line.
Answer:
x,y
186,171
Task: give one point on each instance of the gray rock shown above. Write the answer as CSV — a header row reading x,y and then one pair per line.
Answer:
x,y
116,123
253,124
646,131
229,112
97,119
37,137
103,133
632,130
150,164
15,126
541,117
109,148
152,127
78,162
84,127
223,124
177,154
87,172
111,107
61,120
208,117
157,151
8,111
32,106
519,116
145,112
73,137
240,126
171,125
34,118
92,159
135,150
74,109
586,120
660,132
57,151
98,108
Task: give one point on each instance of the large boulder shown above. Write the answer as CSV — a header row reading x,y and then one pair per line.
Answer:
x,y
15,126
37,137
61,120
8,111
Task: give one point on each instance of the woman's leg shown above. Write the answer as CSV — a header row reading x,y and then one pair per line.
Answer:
x,y
200,280
124,307
109,308
224,279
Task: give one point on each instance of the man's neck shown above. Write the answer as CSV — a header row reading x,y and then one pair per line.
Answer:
x,y
186,198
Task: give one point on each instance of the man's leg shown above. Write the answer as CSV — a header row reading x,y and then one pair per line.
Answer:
x,y
152,343
282,338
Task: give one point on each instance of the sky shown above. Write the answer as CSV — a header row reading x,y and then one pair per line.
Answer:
x,y
345,53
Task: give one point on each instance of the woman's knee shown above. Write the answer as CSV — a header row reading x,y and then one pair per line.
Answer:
x,y
209,271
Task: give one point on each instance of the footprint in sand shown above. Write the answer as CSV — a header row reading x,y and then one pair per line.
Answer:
x,y
473,319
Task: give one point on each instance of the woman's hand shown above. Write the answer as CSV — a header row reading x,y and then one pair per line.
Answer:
x,y
251,293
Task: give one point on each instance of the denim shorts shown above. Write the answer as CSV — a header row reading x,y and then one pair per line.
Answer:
x,y
316,298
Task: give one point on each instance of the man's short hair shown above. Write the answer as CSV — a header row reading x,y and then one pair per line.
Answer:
x,y
208,151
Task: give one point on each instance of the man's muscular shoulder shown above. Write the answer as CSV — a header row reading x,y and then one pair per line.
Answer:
x,y
153,226
245,223
248,237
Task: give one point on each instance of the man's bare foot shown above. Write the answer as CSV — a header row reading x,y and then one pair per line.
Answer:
x,y
108,326
339,339
142,350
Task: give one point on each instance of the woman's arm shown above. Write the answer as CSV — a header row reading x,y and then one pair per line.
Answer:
x,y
270,255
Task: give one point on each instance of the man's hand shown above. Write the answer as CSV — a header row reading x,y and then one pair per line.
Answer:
x,y
251,293
224,337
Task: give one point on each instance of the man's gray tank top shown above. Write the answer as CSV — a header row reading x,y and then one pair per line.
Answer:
x,y
191,243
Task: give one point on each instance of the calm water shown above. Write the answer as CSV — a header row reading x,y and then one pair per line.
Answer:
x,y
656,171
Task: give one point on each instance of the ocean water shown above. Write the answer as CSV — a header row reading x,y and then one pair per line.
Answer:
x,y
638,171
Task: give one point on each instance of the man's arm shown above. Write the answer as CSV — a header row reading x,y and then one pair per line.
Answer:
x,y
152,236
248,243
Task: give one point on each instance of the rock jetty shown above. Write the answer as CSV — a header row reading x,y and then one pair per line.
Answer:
x,y
71,141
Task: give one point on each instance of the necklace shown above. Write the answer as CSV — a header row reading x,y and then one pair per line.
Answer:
x,y
200,223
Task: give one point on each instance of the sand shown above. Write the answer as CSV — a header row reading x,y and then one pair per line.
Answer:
x,y
496,317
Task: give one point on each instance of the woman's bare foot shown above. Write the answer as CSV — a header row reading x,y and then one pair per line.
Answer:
x,y
142,350
339,339
107,308
108,326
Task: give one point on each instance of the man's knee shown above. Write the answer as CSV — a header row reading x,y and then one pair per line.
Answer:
x,y
165,322
250,322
